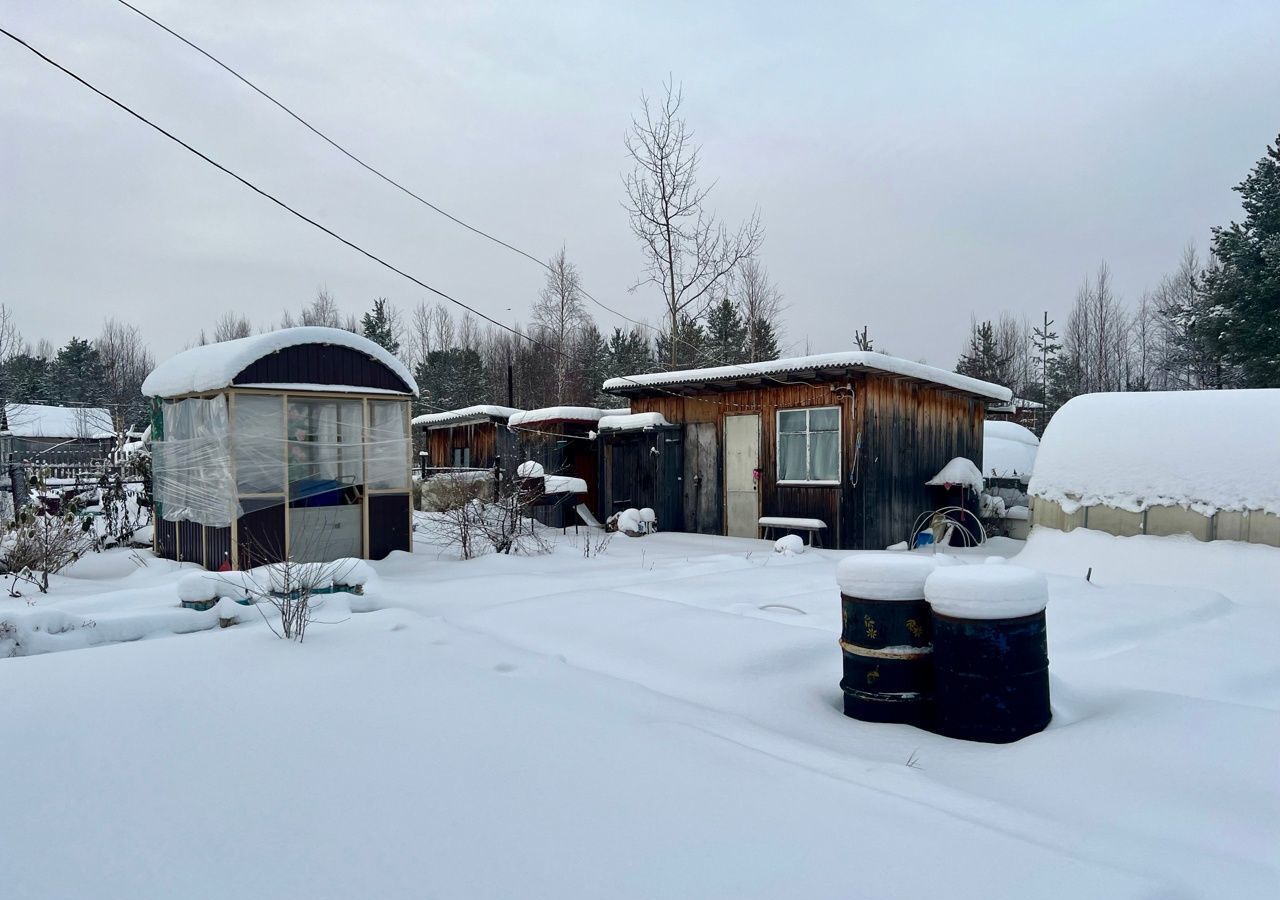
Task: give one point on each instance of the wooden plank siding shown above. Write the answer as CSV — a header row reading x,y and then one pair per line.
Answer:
x,y
480,437
810,501
907,431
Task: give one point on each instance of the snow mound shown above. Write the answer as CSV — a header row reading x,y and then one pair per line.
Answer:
x,y
198,587
883,575
633,422
789,545
215,366
1204,450
530,469
987,591
959,471
565,484
1008,450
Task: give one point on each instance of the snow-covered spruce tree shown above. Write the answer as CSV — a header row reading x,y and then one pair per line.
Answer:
x,y
1243,288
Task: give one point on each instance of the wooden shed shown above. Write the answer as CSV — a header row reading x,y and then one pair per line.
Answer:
x,y
287,445
562,440
848,439
474,437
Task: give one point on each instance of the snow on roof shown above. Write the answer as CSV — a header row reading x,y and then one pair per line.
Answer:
x,y
1008,450
1205,450
215,366
467,414
1016,404
33,420
959,471
633,422
852,359
550,414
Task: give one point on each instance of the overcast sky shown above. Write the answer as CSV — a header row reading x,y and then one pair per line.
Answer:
x,y
912,166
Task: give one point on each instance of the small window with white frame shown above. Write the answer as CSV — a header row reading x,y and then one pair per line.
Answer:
x,y
809,445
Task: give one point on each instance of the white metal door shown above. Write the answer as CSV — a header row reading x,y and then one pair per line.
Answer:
x,y
741,466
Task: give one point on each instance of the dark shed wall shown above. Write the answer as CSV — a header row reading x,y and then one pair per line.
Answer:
x,y
321,364
909,432
808,501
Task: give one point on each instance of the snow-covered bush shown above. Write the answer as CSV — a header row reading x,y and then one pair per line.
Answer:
x,y
43,543
475,526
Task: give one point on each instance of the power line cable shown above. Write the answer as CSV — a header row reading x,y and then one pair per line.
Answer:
x,y
280,203
387,178
268,196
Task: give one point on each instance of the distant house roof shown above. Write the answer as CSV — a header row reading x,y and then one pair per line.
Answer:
x,y
552,414
466,416
1204,450
823,366
33,420
1008,451
215,366
1016,404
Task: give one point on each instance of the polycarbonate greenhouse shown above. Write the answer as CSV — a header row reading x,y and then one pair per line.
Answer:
x,y
287,445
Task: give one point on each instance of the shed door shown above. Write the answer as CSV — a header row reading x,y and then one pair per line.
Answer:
x,y
741,463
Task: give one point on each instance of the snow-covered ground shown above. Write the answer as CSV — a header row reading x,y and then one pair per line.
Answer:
x,y
661,720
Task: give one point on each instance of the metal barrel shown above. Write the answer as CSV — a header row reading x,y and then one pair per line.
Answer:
x,y
990,653
888,670
992,678
886,637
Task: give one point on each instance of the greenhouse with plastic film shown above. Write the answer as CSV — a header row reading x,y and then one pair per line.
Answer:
x,y
288,445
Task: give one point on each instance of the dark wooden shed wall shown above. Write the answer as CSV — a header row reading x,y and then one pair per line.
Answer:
x,y
909,430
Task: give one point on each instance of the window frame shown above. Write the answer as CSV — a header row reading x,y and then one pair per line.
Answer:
x,y
808,448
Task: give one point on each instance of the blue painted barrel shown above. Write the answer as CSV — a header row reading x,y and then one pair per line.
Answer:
x,y
990,652
886,636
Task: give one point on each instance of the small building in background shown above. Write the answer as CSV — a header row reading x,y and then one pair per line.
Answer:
x,y
1204,463
63,439
1030,414
1008,460
847,440
288,445
474,437
562,439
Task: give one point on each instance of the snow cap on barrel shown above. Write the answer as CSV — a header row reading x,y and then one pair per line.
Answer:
x,y
891,575
987,592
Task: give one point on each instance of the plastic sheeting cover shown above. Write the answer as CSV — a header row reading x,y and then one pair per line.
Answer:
x,y
307,451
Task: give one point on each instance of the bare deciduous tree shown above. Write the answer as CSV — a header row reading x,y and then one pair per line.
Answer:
x,y
231,326
126,361
760,302
559,314
688,251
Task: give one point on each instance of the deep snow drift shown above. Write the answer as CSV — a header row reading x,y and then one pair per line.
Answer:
x,y
661,719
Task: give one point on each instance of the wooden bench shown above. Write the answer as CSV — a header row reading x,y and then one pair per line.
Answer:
x,y
814,527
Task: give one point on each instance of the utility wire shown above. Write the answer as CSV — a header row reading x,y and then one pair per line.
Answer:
x,y
264,194
289,209
387,178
